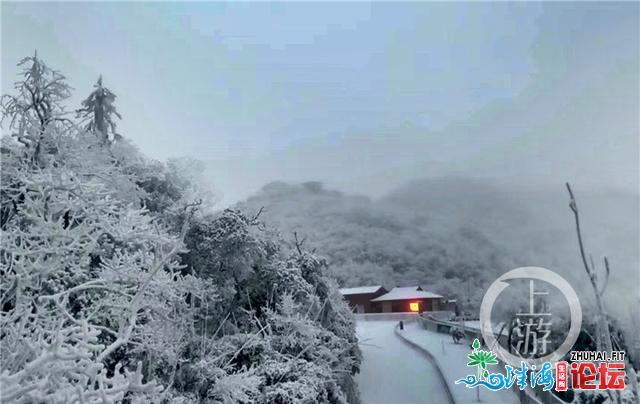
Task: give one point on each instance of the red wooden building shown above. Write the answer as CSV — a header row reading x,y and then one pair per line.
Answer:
x,y
360,298
408,299
376,299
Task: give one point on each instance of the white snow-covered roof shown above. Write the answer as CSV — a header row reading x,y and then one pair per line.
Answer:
x,y
406,293
360,290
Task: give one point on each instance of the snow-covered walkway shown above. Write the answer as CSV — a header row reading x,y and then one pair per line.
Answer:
x,y
452,359
391,371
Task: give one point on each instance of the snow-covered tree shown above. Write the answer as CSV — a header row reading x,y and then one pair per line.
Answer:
x,y
115,289
280,322
99,110
90,282
35,113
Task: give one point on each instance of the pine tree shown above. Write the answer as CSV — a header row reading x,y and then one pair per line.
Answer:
x,y
100,112
90,282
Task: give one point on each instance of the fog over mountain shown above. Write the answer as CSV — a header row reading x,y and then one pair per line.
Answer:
x,y
361,96
535,224
185,186
447,232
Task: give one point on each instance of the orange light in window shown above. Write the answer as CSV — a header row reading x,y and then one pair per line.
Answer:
x,y
414,307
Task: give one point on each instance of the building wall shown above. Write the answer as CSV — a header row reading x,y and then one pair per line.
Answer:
x,y
362,303
402,306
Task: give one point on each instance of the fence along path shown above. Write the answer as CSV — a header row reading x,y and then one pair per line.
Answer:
x,y
527,396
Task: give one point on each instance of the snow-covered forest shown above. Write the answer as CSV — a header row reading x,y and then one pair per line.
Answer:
x,y
119,284
456,236
194,196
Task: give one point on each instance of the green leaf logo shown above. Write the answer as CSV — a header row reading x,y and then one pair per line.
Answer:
x,y
481,359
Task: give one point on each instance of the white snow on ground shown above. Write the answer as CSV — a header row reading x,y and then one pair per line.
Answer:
x,y
391,371
452,359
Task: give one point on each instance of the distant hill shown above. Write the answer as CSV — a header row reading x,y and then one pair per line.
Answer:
x,y
458,234
374,242
535,225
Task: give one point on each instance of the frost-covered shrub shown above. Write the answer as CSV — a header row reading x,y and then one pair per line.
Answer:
x,y
279,318
90,282
115,289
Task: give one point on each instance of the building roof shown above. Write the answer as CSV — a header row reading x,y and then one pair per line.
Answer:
x,y
409,287
361,290
406,293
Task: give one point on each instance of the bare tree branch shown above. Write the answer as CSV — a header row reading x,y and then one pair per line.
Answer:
x,y
298,243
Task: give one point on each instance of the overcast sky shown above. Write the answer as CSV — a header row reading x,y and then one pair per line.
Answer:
x,y
360,96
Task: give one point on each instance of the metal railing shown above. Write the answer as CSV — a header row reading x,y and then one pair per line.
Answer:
x,y
527,396
386,316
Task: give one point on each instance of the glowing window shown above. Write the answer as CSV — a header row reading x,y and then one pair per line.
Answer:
x,y
414,307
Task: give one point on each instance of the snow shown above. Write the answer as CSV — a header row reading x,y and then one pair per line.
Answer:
x,y
475,325
472,324
361,290
452,359
405,294
391,371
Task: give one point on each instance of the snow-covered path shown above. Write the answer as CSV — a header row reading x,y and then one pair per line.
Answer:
x,y
453,360
391,371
